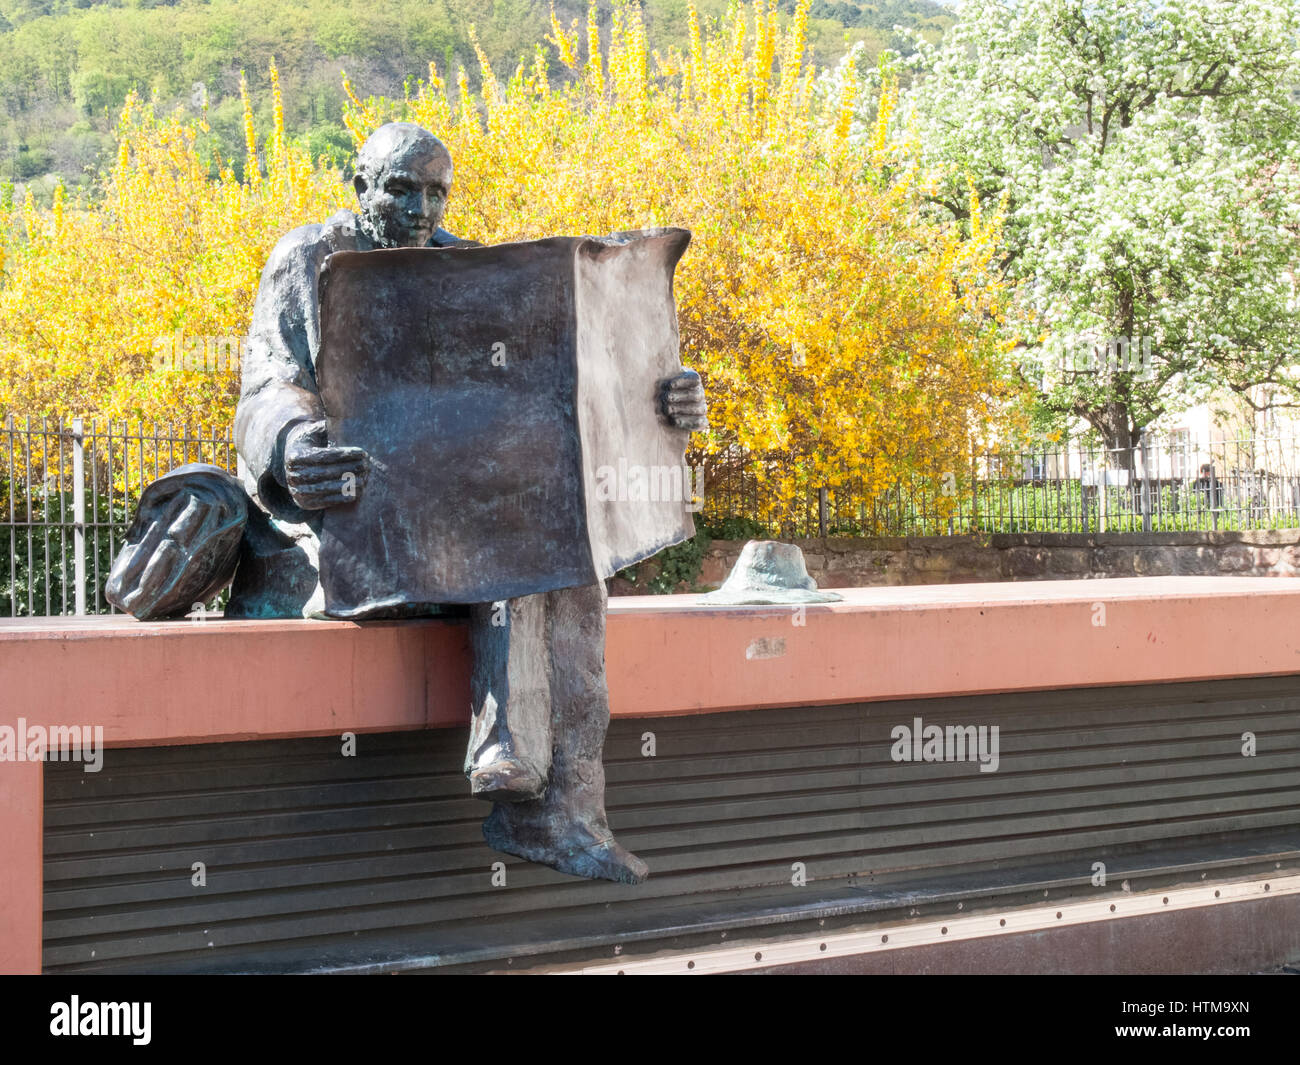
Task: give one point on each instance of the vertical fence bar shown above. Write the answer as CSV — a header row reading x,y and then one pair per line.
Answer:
x,y
45,506
1103,505
1011,505
59,482
1056,477
1269,479
27,489
1214,493
112,529
974,489
11,430
79,511
94,507
1146,484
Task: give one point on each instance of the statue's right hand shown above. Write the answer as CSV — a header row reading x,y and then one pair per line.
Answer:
x,y
319,476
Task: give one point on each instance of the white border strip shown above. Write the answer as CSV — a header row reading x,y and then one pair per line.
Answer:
x,y
929,932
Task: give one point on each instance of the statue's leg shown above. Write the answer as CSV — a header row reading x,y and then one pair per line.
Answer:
x,y
567,827
509,751
279,571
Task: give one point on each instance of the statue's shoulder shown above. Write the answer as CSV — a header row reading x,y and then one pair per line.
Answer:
x,y
442,239
337,233
342,230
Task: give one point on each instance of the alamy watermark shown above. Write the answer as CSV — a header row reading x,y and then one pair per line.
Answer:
x,y
57,743
1084,353
178,353
628,483
78,1018
919,742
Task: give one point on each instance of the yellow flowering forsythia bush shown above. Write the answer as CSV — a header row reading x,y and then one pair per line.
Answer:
x,y
168,256
841,335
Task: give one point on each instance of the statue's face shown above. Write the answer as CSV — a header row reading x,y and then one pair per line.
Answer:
x,y
403,201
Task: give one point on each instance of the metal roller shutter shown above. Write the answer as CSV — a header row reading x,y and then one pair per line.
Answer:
x,y
316,861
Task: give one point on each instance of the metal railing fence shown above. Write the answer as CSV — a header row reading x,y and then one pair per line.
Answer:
x,y
1170,484
68,492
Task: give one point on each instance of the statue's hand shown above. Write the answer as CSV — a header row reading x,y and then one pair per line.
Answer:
x,y
319,476
143,570
682,402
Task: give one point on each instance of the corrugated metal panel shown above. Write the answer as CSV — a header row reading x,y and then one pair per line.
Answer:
x,y
317,860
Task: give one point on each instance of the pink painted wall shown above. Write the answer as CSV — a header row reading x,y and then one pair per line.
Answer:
x,y
191,682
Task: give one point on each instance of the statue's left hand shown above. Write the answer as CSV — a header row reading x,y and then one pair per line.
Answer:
x,y
682,402
319,476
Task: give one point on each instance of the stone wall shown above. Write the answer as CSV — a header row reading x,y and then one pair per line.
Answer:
x,y
842,563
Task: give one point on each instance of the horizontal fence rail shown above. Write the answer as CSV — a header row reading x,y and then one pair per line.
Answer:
x,y
68,492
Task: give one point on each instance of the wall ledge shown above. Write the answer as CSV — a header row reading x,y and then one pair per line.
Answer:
x,y
217,680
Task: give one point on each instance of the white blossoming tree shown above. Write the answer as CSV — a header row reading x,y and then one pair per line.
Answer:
x,y
1149,156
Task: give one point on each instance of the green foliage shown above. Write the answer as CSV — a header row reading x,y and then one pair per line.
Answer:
x,y
98,93
880,16
66,60
40,559
32,162
329,143
1146,152
677,568
737,529
674,569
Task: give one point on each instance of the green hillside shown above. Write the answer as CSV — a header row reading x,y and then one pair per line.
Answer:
x,y
67,65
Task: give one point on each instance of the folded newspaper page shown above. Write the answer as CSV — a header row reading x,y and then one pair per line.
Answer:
x,y
508,399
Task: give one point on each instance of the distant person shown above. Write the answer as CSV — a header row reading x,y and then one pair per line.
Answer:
x,y
1209,487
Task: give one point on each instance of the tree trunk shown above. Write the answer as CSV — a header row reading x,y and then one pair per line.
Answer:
x,y
1118,433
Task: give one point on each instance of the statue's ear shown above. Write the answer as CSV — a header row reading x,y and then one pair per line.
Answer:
x,y
359,183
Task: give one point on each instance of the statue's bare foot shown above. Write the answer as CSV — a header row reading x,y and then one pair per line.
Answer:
x,y
575,849
506,781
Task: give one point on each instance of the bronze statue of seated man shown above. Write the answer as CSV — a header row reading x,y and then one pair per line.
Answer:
x,y
539,700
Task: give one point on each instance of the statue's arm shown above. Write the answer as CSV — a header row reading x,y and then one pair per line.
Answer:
x,y
278,389
442,239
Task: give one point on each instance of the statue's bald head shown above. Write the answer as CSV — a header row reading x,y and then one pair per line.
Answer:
x,y
402,181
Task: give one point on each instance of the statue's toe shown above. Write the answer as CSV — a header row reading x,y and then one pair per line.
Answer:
x,y
576,848
604,861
